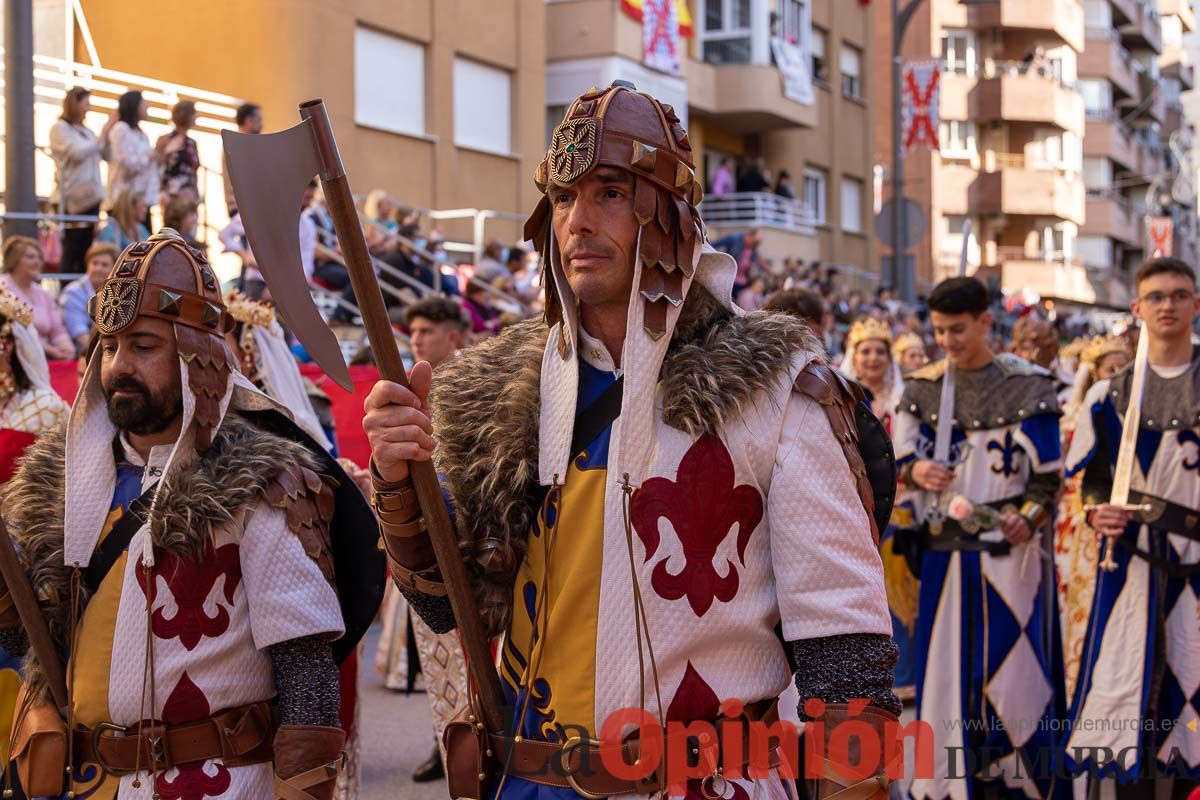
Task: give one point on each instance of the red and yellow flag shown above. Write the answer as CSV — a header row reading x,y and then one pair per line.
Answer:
x,y
634,9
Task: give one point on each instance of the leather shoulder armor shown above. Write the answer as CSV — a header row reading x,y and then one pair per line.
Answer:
x,y
306,499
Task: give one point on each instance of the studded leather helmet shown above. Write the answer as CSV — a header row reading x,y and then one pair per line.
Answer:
x,y
630,130
1036,339
165,278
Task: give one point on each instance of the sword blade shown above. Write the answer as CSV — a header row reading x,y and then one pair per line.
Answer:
x,y
1123,472
945,430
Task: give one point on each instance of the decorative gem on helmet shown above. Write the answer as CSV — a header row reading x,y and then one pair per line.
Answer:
x,y
573,150
116,304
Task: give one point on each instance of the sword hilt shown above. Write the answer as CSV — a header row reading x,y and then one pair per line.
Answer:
x,y
1107,562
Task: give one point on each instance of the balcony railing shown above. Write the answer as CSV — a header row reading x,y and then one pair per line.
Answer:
x,y
994,68
1122,201
758,210
1002,253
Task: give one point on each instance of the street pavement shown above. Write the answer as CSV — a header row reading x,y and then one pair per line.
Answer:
x,y
396,736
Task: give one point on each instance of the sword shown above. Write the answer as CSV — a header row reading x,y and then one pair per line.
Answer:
x,y
1123,473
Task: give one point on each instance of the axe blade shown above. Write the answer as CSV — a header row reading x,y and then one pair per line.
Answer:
x,y
269,172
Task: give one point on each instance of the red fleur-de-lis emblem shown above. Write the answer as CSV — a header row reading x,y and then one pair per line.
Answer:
x,y
190,582
695,700
187,703
703,505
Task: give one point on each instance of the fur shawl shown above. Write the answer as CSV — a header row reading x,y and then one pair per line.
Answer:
x,y
485,408
195,501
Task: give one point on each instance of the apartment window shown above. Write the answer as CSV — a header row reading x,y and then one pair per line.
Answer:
x,y
852,194
958,50
726,38
380,100
793,18
1171,90
851,72
815,182
482,93
957,138
820,65
1097,96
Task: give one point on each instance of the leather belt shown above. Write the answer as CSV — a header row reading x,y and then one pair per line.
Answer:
x,y
1167,516
954,537
577,763
238,736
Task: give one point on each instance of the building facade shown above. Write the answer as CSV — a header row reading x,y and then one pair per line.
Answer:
x,y
737,104
1058,137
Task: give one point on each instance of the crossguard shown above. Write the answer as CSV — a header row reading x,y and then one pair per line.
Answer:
x,y
1107,563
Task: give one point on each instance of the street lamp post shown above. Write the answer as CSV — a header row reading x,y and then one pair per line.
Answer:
x,y
901,278
19,191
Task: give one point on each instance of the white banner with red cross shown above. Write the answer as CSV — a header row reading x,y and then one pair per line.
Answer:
x,y
660,36
1160,234
919,84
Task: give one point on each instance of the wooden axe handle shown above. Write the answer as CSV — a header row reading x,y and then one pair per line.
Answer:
x,y
340,201
31,618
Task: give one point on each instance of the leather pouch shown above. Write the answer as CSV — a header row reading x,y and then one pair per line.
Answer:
x,y
470,763
40,747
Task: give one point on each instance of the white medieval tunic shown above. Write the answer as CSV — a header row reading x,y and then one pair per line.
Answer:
x,y
985,681
212,625
1138,692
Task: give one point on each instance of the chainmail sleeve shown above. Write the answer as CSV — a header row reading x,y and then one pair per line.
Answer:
x,y
838,669
14,642
306,682
434,610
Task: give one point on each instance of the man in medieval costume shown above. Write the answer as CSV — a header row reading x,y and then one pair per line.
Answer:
x,y
1137,697
1035,339
655,509
181,534
978,442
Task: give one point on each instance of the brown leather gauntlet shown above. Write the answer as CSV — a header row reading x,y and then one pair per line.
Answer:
x,y
843,753
307,760
405,537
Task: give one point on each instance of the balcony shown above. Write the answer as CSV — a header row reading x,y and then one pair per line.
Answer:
x,y
1017,96
1110,214
1146,30
1060,279
1010,186
1124,11
745,98
1174,63
1063,18
1105,136
1105,57
1181,9
758,210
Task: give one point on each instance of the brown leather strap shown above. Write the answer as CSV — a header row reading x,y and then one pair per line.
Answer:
x,y
237,736
426,581
838,397
297,786
581,766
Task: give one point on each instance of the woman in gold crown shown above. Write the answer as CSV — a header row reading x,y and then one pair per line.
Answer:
x,y
1075,544
908,351
28,406
868,360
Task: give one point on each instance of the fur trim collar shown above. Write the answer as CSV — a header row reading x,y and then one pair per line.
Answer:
x,y
486,405
195,501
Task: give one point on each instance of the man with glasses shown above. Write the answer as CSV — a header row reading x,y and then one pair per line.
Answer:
x,y
1134,714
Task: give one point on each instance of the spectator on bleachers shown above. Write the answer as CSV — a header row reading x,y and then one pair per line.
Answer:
x,y
181,215
485,319
249,120
101,257
180,156
124,225
381,222
76,151
22,270
491,263
132,162
438,328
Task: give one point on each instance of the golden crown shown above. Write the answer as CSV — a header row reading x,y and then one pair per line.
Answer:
x,y
14,309
906,341
1074,349
248,311
1102,346
866,329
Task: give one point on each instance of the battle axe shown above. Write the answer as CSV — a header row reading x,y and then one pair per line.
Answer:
x,y
269,173
36,630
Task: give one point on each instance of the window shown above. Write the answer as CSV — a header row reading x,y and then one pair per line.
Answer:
x,y
380,99
1097,96
793,21
482,93
814,192
820,66
851,72
957,138
726,36
958,50
852,193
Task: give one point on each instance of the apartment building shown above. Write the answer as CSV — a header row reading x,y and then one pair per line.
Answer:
x,y
440,102
731,95
1132,75
1177,79
1011,142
